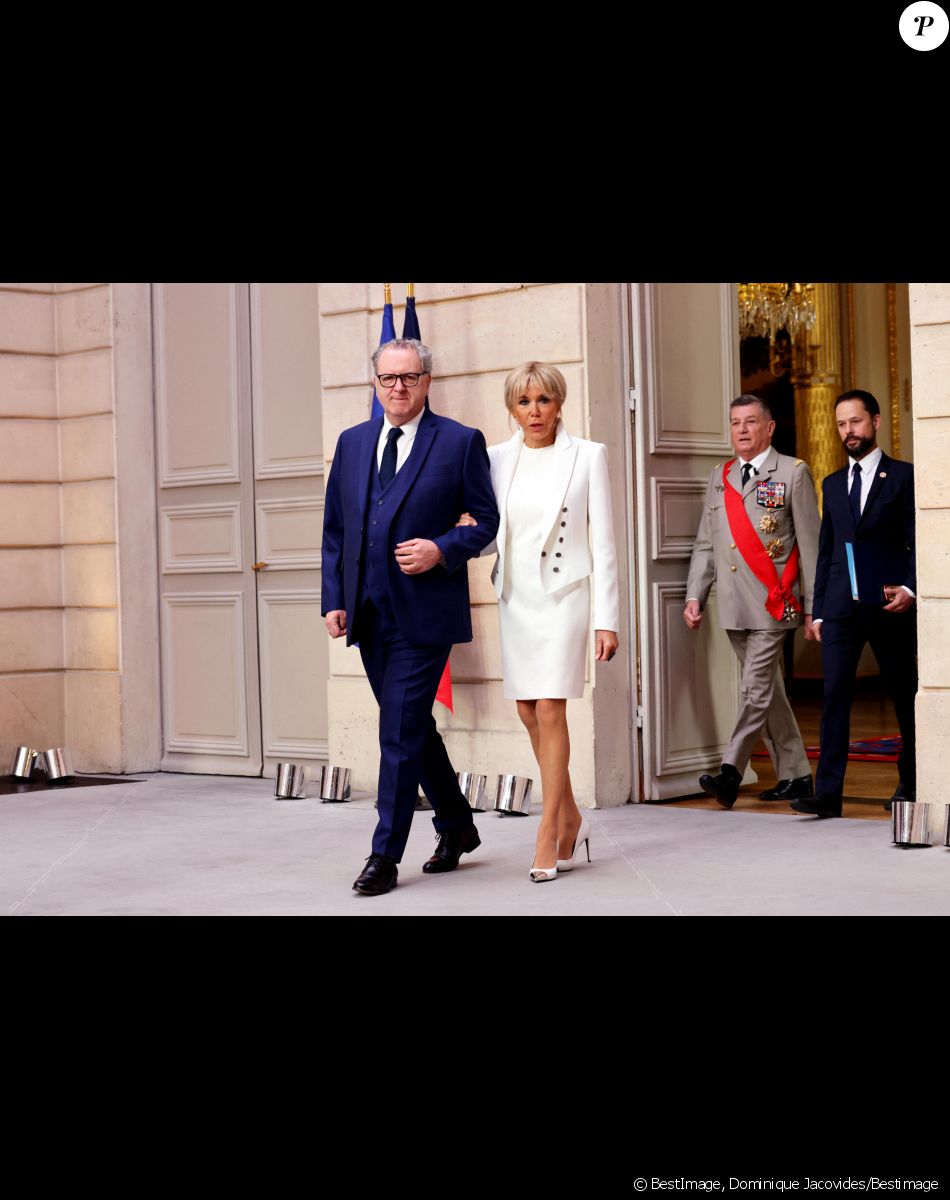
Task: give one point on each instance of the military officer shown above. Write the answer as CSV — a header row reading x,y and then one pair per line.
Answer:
x,y
758,542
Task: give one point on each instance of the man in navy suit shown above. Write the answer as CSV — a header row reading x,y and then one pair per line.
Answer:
x,y
395,580
865,585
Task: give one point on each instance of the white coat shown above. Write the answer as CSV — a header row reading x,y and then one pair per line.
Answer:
x,y
580,540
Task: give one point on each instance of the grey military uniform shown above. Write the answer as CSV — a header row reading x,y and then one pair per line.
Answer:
x,y
782,506
740,597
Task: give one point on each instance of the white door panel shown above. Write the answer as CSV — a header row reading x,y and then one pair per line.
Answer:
x,y
685,372
289,479
244,648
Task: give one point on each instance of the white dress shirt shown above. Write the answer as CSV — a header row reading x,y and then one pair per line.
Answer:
x,y
868,465
403,444
756,464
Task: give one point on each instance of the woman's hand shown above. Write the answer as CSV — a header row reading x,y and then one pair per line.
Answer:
x,y
607,643
465,519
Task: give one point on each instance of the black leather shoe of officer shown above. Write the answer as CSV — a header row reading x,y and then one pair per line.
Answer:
x,y
902,793
724,786
453,843
378,876
819,806
790,789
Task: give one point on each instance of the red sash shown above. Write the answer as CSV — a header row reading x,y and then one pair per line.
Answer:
x,y
780,595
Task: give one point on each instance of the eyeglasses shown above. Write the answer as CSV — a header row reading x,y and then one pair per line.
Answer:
x,y
409,378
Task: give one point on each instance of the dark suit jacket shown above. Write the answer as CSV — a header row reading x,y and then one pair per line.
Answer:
x,y
446,474
883,540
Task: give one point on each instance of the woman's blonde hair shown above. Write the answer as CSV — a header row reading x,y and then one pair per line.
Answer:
x,y
535,374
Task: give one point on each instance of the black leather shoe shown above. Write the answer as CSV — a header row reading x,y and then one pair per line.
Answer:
x,y
453,843
724,786
790,789
378,876
902,793
819,806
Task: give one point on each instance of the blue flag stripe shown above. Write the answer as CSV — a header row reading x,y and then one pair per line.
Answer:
x,y
386,334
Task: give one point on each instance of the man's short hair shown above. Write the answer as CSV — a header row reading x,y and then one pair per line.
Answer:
x,y
866,399
745,400
425,354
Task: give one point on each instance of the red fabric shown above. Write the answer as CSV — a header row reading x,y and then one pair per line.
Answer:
x,y
855,751
753,552
444,693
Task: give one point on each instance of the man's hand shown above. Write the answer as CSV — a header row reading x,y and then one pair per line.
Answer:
x,y
336,622
465,519
900,599
692,615
418,555
812,631
607,643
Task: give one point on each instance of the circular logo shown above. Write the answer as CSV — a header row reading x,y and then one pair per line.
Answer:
x,y
924,26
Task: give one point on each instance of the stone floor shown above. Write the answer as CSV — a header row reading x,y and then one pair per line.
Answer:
x,y
192,844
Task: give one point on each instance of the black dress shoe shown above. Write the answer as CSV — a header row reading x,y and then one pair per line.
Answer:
x,y
378,876
790,789
819,806
902,793
724,786
453,843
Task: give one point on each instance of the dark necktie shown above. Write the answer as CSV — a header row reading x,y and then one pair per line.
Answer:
x,y
747,469
855,494
387,468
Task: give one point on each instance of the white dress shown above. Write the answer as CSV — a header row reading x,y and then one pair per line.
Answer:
x,y
543,638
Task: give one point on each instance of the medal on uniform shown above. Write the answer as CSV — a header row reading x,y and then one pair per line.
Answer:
x,y
780,601
770,494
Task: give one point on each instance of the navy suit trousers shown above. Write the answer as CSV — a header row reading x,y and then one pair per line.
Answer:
x,y
404,677
893,638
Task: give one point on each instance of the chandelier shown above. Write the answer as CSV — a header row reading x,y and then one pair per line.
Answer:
x,y
765,308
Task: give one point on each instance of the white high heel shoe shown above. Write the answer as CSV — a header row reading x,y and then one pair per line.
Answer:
x,y
542,874
583,835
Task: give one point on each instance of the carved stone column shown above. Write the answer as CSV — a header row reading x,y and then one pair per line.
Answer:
x,y
894,389
817,379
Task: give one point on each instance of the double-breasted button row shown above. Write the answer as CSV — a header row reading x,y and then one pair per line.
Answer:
x,y
557,553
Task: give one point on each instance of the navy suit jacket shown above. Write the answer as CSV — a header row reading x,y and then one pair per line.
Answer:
x,y
447,473
883,540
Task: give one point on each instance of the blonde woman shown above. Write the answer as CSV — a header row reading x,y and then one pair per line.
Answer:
x,y
555,533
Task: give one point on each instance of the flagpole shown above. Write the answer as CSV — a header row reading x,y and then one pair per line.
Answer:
x,y
386,334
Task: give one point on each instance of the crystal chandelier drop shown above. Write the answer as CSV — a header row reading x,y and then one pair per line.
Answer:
x,y
765,308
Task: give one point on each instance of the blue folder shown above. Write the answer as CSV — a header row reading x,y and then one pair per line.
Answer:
x,y
849,550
